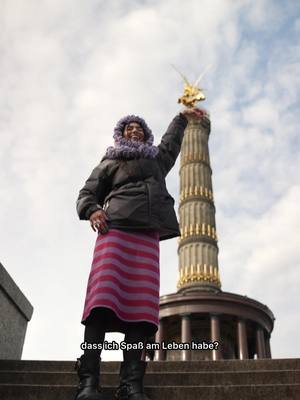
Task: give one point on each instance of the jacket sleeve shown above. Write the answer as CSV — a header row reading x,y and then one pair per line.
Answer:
x,y
92,195
170,144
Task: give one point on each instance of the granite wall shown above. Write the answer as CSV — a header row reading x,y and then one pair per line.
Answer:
x,y
15,312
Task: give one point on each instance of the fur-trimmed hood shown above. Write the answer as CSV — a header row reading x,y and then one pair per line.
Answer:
x,y
127,149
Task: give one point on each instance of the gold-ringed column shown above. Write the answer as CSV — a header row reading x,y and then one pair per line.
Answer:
x,y
198,249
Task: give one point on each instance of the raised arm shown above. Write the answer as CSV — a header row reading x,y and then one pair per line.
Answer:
x,y
170,144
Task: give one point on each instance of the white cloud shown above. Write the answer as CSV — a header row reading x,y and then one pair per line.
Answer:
x,y
266,264
265,15
297,25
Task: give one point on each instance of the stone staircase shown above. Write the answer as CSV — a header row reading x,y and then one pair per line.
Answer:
x,y
264,379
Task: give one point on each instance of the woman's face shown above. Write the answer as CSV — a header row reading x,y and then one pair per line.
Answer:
x,y
134,131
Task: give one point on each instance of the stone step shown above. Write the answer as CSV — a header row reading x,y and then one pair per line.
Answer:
x,y
216,392
176,366
178,380
159,378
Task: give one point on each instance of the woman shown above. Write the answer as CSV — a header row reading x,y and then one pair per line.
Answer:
x,y
127,202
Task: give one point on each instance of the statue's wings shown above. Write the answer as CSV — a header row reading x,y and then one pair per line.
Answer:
x,y
183,77
202,74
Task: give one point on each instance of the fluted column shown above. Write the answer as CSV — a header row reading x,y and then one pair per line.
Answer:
x,y
198,249
242,340
268,347
260,343
186,336
160,355
215,336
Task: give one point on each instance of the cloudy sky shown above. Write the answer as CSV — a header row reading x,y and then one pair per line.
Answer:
x,y
70,69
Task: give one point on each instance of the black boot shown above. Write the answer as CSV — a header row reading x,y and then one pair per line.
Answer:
x,y
131,381
88,372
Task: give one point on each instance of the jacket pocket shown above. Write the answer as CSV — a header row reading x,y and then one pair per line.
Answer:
x,y
130,205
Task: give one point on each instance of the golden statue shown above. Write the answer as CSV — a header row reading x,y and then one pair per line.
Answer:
x,y
192,93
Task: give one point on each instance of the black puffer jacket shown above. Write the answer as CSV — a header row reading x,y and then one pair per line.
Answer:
x,y
133,192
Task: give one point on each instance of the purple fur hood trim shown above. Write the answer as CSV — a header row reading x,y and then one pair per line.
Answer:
x,y
127,149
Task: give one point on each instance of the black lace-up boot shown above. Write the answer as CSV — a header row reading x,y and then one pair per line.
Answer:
x,y
131,381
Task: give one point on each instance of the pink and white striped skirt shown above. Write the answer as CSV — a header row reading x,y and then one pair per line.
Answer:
x,y
124,281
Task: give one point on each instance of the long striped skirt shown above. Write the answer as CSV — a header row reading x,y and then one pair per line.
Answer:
x,y
124,281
